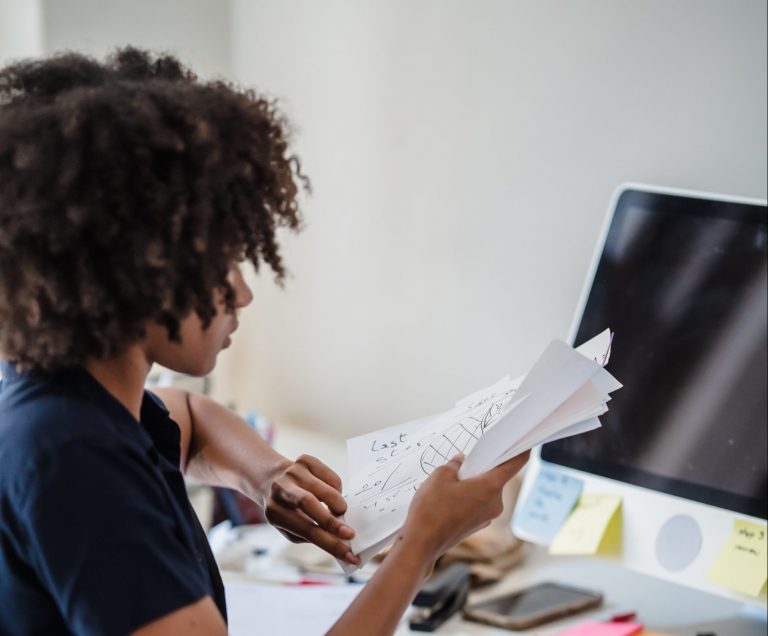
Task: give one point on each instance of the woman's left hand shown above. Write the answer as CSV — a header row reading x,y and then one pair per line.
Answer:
x,y
304,504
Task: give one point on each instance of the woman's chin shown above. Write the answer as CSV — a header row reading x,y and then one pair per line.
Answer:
x,y
195,367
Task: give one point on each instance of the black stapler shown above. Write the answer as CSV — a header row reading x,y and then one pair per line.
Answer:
x,y
441,597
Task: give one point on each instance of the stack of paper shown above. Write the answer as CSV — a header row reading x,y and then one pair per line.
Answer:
x,y
561,395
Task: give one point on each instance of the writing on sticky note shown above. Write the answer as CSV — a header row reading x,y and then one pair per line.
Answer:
x,y
742,564
603,629
551,499
594,527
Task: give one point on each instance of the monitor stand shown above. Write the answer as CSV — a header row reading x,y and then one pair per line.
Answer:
x,y
678,543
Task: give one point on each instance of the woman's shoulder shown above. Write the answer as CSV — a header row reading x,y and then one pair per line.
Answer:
x,y
43,421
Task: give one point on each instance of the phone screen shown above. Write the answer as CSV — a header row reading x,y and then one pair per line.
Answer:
x,y
535,600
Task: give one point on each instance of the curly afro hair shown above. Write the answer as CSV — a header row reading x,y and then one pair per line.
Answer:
x,y
128,189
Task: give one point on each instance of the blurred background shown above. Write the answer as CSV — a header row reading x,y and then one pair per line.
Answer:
x,y
462,155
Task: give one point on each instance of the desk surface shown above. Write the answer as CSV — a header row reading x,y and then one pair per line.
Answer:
x,y
661,606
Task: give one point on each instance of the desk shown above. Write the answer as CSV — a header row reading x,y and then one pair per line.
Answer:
x,y
660,605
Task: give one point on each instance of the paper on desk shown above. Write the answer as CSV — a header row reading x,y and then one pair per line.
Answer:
x,y
594,527
562,394
257,608
742,564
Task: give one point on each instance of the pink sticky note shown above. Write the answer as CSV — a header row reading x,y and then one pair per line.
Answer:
x,y
603,629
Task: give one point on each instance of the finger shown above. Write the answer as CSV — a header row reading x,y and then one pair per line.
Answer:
x,y
325,493
455,462
293,538
293,522
321,471
507,470
323,517
309,504
306,486
314,476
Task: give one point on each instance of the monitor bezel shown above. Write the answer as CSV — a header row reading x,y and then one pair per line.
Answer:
x,y
662,201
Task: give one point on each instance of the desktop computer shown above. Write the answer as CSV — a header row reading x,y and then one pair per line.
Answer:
x,y
682,279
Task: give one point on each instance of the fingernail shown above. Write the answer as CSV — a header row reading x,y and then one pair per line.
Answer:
x,y
352,558
346,532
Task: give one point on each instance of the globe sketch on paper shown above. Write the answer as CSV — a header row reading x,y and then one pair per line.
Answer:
x,y
464,434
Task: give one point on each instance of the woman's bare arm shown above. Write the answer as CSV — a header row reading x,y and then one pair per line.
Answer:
x,y
301,498
444,511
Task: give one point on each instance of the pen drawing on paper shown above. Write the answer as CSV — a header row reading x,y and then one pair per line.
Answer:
x,y
464,434
562,394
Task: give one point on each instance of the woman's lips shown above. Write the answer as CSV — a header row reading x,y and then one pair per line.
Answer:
x,y
228,339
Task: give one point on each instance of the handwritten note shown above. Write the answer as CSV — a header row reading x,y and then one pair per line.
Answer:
x,y
742,564
550,501
594,527
382,445
562,394
604,629
378,495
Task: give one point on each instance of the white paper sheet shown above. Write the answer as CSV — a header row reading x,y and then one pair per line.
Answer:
x,y
257,608
384,444
562,394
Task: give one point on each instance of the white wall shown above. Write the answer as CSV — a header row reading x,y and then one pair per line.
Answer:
x,y
195,30
21,33
463,154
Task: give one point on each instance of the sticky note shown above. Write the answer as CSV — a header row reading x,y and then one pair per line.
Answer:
x,y
594,527
550,501
742,564
603,629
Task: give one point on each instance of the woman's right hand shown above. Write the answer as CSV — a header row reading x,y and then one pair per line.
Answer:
x,y
443,512
446,510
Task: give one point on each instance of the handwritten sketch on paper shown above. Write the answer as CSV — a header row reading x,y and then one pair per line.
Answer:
x,y
561,395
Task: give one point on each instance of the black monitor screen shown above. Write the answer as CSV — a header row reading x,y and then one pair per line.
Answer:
x,y
683,283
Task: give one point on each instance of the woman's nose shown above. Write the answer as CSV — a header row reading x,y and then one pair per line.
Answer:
x,y
243,293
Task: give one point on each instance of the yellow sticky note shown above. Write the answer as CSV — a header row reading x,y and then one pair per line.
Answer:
x,y
742,564
594,527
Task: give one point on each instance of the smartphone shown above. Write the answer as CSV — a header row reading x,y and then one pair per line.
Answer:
x,y
533,606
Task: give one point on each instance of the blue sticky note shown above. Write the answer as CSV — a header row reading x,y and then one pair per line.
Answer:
x,y
550,500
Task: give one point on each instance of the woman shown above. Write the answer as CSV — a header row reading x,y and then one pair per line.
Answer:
x,y
130,195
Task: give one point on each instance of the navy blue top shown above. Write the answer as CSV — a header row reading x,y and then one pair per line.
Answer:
x,y
97,535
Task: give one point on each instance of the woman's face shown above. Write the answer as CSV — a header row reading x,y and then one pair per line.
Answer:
x,y
197,351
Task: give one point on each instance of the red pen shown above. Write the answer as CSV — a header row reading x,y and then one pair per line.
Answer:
x,y
626,617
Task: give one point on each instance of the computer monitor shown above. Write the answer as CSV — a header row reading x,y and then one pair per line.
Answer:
x,y
682,279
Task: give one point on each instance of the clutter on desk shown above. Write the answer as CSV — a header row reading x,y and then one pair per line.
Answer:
x,y
742,564
261,553
492,552
489,553
442,595
550,501
562,394
594,527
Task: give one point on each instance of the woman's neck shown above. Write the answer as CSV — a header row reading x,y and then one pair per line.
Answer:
x,y
123,376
